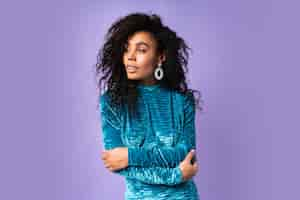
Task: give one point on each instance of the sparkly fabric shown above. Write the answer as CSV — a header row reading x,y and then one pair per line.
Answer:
x,y
158,139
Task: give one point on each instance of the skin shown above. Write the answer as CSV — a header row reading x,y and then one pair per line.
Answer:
x,y
141,52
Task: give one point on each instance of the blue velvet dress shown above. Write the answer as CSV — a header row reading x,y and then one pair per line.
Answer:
x,y
158,139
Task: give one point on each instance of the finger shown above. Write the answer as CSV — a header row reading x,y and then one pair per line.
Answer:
x,y
104,155
190,155
106,162
106,165
195,165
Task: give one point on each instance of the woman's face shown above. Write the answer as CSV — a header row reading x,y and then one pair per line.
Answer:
x,y
140,57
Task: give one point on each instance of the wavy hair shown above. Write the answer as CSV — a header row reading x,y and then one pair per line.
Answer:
x,y
110,68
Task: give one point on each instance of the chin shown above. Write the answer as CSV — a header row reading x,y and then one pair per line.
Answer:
x,y
133,77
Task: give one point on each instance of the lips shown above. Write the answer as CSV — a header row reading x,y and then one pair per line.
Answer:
x,y
131,68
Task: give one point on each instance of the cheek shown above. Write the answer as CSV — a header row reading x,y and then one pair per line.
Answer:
x,y
124,59
146,64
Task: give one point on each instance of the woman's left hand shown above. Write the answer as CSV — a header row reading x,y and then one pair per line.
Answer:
x,y
116,158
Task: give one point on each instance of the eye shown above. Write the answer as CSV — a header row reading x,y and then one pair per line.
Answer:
x,y
142,50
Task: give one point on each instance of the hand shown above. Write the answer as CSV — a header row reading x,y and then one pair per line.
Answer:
x,y
188,170
116,158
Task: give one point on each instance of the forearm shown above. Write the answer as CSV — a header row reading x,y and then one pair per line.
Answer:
x,y
153,175
158,155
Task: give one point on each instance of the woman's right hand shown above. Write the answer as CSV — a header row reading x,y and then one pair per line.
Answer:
x,y
188,170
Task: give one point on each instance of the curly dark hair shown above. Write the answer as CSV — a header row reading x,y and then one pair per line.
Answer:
x,y
121,90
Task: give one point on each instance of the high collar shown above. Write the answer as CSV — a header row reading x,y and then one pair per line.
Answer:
x,y
149,88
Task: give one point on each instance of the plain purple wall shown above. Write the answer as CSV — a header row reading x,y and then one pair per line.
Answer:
x,y
245,61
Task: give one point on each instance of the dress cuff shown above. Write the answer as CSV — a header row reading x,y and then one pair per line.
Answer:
x,y
178,175
134,159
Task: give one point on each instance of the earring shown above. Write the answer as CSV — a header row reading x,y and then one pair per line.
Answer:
x,y
158,72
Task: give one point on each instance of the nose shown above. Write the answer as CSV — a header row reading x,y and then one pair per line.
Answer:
x,y
131,55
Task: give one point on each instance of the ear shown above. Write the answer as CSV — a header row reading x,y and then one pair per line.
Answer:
x,y
162,57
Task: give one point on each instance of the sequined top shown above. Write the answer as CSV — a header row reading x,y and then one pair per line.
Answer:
x,y
158,139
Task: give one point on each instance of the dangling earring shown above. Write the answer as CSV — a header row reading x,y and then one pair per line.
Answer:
x,y
158,72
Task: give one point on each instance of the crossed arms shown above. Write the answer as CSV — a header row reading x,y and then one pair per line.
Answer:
x,y
155,165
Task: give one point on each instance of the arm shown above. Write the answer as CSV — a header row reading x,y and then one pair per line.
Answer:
x,y
111,139
168,156
153,175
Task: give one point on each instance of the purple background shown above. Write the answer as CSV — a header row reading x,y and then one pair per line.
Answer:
x,y
245,61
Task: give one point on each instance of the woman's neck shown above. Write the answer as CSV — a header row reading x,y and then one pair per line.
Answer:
x,y
148,82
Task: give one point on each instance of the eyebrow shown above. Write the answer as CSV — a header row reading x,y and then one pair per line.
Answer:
x,y
140,43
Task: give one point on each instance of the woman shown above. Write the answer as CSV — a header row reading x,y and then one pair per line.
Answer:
x,y
147,111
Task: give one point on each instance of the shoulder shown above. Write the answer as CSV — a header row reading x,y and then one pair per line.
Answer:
x,y
187,99
185,102
105,101
106,105
104,98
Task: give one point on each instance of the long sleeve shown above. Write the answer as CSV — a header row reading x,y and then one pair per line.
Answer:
x,y
153,175
110,121
168,156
